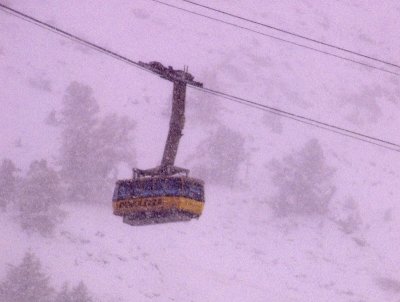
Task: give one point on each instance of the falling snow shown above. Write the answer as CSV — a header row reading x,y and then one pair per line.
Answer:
x,y
59,222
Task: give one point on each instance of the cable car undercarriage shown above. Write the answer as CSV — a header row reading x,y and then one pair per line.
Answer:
x,y
165,193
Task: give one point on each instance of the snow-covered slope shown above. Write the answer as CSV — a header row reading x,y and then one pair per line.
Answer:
x,y
237,251
230,254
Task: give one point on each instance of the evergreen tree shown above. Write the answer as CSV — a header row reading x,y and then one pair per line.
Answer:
x,y
77,294
26,283
220,155
8,181
347,216
80,293
63,295
39,197
92,147
78,122
304,182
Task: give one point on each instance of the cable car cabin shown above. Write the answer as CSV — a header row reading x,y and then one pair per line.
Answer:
x,y
163,194
158,199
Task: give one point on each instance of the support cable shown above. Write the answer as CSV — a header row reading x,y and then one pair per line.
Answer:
x,y
70,36
280,39
293,34
305,120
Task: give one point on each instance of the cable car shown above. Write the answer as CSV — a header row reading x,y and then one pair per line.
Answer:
x,y
158,199
165,193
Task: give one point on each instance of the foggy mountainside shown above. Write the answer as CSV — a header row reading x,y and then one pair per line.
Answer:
x,y
292,213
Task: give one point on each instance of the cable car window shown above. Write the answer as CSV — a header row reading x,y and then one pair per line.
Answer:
x,y
173,186
147,188
158,188
196,192
116,192
137,188
123,191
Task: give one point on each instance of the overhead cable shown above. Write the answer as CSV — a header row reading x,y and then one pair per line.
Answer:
x,y
68,35
305,120
293,34
279,39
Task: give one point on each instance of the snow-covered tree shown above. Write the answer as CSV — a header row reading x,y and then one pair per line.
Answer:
x,y
219,156
77,294
92,147
39,196
347,216
63,295
8,180
304,182
26,283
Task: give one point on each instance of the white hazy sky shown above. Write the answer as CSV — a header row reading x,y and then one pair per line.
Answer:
x,y
239,254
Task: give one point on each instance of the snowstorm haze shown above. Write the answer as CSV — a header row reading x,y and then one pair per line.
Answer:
x,y
292,213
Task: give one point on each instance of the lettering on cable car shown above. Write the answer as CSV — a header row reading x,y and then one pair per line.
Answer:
x,y
140,203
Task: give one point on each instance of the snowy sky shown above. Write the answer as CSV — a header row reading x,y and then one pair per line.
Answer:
x,y
239,254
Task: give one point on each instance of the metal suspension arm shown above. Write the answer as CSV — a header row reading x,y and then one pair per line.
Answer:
x,y
180,78
176,124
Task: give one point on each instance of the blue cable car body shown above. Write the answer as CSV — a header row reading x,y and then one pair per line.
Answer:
x,y
151,200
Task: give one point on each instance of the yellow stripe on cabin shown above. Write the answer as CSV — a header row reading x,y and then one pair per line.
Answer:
x,y
133,205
